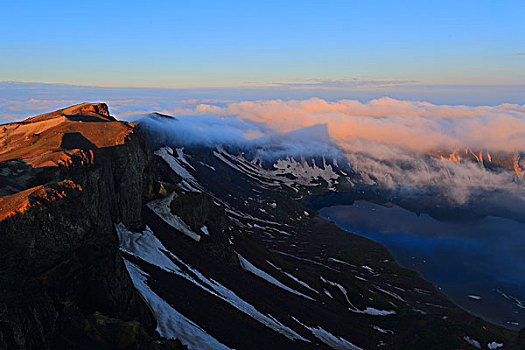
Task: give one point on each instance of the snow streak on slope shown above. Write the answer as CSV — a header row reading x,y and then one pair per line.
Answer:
x,y
147,247
494,345
472,342
161,207
304,284
368,311
305,172
341,289
260,273
182,157
337,343
374,312
301,173
171,323
177,165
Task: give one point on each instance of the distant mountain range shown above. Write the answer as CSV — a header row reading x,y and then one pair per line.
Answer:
x,y
116,237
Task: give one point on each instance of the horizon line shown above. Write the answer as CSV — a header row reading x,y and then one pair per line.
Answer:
x,y
300,85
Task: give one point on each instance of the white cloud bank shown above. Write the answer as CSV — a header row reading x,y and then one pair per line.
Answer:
x,y
384,139
417,126
380,136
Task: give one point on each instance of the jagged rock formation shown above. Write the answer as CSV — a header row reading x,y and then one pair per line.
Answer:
x,y
496,160
66,178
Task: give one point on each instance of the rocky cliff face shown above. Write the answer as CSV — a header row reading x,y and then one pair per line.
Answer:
x,y
65,179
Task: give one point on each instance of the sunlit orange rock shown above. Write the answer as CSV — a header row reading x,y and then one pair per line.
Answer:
x,y
58,139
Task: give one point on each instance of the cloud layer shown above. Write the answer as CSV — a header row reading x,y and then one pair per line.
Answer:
x,y
385,140
20,100
381,137
416,126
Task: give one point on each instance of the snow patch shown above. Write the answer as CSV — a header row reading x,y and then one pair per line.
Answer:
x,y
335,342
340,261
304,259
302,172
166,153
374,312
207,165
161,207
392,294
340,287
171,323
306,173
249,217
368,268
519,303
147,247
185,186
472,342
181,156
381,330
304,284
245,264
493,345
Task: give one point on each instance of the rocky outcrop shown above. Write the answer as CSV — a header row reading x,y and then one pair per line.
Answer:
x,y
513,161
66,178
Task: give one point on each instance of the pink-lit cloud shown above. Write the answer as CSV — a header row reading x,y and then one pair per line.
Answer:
x,y
419,126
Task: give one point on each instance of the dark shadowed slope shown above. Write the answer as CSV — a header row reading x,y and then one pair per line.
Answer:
x,y
65,178
229,245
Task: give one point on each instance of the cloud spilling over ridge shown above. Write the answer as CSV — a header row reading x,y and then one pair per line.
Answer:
x,y
385,140
417,126
217,131
203,130
411,173
381,137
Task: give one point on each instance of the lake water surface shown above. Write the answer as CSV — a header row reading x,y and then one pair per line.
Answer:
x,y
478,264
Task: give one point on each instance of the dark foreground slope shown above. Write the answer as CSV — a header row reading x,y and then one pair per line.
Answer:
x,y
229,245
65,178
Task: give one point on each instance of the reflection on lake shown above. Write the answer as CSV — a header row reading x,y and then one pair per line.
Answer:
x,y
479,264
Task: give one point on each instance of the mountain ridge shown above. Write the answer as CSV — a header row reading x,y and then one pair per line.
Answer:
x,y
64,283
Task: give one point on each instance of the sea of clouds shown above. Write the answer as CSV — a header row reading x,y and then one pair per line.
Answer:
x,y
410,125
384,139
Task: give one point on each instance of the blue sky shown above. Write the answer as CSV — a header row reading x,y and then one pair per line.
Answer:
x,y
189,44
